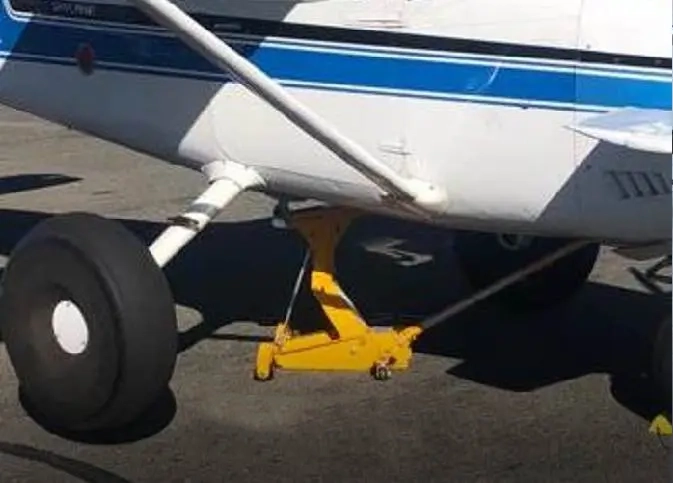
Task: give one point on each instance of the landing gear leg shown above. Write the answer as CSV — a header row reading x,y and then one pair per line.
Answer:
x,y
227,180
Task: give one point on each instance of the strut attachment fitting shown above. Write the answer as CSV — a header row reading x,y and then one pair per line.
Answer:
x,y
350,344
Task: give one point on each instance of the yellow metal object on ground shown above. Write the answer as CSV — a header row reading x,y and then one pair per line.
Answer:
x,y
661,425
350,345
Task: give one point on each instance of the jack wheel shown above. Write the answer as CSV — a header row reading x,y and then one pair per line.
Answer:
x,y
89,323
264,375
264,365
486,257
381,372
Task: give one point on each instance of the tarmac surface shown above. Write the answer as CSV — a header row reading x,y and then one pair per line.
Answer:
x,y
490,397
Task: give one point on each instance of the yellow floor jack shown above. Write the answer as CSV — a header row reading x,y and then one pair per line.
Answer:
x,y
661,425
349,344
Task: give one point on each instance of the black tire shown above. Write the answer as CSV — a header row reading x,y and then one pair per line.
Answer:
x,y
662,362
484,260
127,304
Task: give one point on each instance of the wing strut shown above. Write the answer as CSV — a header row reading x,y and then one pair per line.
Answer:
x,y
415,194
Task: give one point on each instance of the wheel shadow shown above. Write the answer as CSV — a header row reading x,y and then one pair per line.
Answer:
x,y
245,271
153,420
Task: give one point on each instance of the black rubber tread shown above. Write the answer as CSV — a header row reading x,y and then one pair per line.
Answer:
x,y
127,302
483,261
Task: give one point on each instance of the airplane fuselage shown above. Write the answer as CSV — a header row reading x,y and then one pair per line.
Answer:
x,y
475,96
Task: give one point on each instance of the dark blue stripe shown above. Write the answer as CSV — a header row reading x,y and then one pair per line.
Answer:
x,y
416,75
620,92
354,90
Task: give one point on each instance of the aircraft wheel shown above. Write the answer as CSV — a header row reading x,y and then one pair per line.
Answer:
x,y
662,361
89,323
485,258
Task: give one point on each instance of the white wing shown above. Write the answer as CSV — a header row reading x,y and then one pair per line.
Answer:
x,y
640,129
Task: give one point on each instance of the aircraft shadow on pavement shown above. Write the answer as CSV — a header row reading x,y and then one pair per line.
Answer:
x,y
32,182
246,271
83,471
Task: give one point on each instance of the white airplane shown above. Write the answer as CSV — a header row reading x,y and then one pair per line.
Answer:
x,y
538,129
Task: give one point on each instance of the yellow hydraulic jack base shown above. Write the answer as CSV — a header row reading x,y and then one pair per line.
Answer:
x,y
351,345
661,425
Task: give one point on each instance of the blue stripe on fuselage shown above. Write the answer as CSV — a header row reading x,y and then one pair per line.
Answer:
x,y
140,51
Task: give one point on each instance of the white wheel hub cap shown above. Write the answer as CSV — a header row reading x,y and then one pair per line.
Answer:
x,y
70,327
